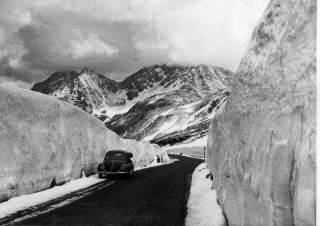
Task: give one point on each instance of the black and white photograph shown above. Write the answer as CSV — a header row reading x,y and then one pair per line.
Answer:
x,y
159,112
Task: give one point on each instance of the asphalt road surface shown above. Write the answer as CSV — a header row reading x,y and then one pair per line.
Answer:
x,y
154,196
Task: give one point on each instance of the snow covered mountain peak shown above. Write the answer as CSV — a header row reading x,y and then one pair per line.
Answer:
x,y
137,106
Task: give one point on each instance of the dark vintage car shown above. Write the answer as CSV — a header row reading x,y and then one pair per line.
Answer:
x,y
116,162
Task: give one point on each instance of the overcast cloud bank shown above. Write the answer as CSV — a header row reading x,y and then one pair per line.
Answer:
x,y
116,38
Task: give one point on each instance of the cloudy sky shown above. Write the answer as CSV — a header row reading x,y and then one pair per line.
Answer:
x,y
117,37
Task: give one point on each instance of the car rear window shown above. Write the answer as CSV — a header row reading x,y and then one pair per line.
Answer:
x,y
116,156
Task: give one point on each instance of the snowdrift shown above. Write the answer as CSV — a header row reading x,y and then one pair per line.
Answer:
x,y
45,141
262,145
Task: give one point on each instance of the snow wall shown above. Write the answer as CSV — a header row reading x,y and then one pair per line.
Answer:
x,y
43,139
262,144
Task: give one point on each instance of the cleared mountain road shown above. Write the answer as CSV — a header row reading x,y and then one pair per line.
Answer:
x,y
153,196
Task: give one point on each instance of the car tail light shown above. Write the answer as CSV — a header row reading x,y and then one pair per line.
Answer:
x,y
123,166
101,167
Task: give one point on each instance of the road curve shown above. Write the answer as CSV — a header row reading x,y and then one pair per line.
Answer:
x,y
154,196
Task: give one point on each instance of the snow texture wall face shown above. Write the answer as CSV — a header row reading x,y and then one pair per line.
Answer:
x,y
262,144
42,139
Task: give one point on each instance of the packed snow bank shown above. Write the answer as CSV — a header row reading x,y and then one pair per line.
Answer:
x,y
25,201
203,209
44,140
262,145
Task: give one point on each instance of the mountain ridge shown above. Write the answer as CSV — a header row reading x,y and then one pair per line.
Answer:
x,y
138,106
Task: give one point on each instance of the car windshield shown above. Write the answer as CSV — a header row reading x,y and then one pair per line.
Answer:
x,y
116,155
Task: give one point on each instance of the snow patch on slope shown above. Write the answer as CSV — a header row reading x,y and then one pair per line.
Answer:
x,y
166,126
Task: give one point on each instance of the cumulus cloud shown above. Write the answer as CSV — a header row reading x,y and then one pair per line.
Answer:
x,y
12,49
10,82
204,31
90,46
118,37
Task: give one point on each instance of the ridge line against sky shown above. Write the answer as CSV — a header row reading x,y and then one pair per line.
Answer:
x,y
117,38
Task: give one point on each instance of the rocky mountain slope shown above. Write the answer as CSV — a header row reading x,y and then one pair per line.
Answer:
x,y
164,104
44,140
262,144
